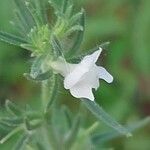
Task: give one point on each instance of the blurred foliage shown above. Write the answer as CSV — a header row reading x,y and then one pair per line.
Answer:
x,y
125,23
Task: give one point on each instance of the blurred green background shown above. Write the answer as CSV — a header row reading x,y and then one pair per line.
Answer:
x,y
126,24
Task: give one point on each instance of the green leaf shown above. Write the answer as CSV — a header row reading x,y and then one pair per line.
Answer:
x,y
140,38
20,24
10,134
40,77
56,44
56,4
40,10
33,124
71,137
106,118
67,114
36,66
11,122
75,18
64,6
28,47
34,7
11,39
53,81
104,45
40,146
25,14
22,142
69,11
43,10
78,58
74,29
99,138
4,128
8,124
79,37
12,108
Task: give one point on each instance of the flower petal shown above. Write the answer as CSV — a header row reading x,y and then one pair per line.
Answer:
x,y
75,76
90,60
62,67
105,75
84,67
91,78
82,91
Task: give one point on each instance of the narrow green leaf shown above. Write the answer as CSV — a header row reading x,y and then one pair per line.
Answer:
x,y
10,134
27,123
56,44
4,128
40,9
11,39
43,10
74,29
40,146
70,138
25,14
11,121
22,142
104,45
69,11
28,47
67,115
56,4
34,7
12,108
33,114
99,138
64,6
106,118
40,77
77,59
58,121
80,34
36,66
140,39
53,81
79,37
8,124
20,24
75,18
33,124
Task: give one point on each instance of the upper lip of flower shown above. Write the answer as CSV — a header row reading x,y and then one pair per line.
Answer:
x,y
81,69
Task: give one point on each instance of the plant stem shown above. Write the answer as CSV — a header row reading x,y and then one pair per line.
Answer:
x,y
49,92
44,89
53,91
92,128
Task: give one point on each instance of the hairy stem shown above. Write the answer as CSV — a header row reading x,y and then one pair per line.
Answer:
x,y
49,92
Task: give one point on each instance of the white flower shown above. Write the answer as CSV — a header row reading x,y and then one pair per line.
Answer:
x,y
81,78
